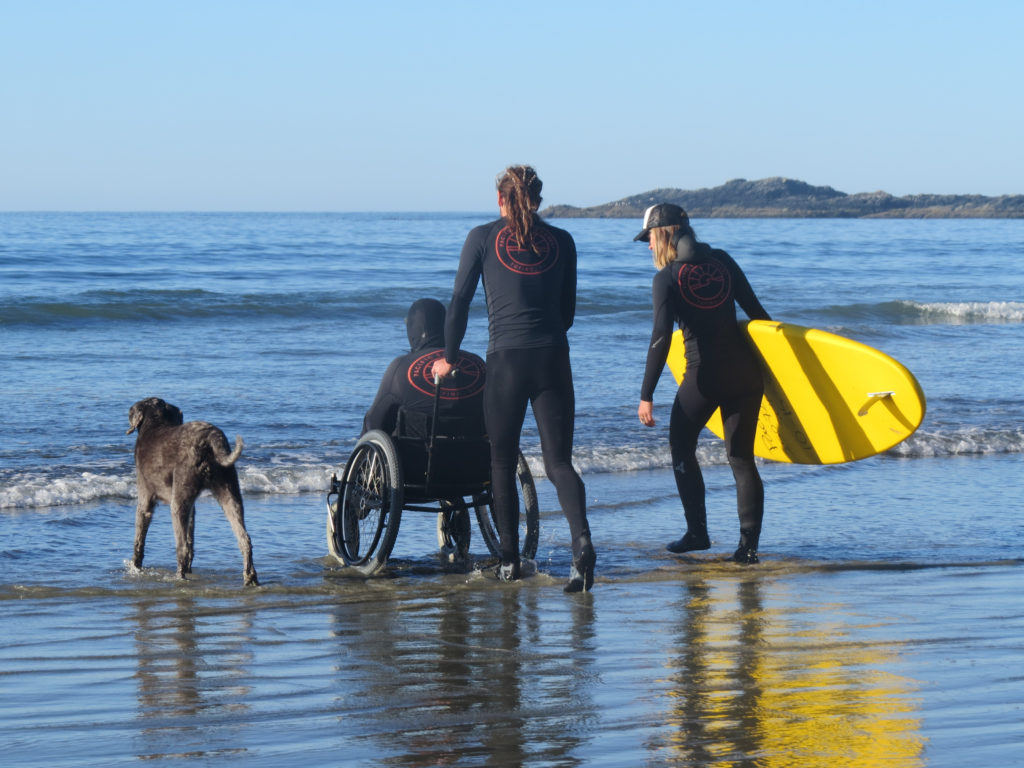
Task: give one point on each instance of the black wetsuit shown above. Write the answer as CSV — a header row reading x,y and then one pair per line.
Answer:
x,y
531,303
700,290
408,382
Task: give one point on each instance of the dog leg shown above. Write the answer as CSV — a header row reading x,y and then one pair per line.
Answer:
x,y
143,517
190,542
181,509
230,500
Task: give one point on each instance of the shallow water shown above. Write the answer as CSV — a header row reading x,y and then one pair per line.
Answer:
x,y
883,626
849,644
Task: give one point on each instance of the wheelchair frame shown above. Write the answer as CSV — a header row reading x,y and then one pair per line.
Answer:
x,y
388,474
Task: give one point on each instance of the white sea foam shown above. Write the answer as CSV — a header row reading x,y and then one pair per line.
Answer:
x,y
973,311
283,480
30,490
629,458
970,441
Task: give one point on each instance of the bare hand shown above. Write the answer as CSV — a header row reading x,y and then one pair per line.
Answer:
x,y
441,368
646,413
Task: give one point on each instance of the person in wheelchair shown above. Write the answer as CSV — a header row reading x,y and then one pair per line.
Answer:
x,y
405,402
408,383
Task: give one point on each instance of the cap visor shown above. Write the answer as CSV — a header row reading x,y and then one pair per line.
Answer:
x,y
644,235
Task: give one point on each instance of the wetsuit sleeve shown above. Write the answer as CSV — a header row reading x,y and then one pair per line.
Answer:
x,y
744,294
466,279
661,336
569,286
383,413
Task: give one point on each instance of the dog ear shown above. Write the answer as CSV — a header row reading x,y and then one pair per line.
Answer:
x,y
135,417
174,415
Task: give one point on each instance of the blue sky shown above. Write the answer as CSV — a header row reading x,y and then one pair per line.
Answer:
x,y
304,105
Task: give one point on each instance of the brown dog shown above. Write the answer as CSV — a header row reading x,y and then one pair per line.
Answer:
x,y
174,463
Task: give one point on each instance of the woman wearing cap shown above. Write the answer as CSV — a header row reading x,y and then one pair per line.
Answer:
x,y
699,287
529,273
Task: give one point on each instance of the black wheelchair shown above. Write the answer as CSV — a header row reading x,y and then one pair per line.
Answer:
x,y
443,474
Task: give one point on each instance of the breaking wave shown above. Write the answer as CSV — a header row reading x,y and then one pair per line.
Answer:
x,y
55,488
922,313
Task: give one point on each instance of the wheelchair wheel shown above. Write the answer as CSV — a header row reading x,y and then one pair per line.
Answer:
x,y
529,520
453,530
369,505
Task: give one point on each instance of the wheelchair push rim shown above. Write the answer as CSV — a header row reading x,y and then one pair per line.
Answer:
x,y
364,517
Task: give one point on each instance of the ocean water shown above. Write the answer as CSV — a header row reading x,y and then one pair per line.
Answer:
x,y
884,622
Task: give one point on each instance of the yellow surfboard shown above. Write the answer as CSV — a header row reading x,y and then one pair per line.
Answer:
x,y
827,399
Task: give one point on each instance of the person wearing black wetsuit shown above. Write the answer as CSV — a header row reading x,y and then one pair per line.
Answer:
x,y
528,270
698,287
408,381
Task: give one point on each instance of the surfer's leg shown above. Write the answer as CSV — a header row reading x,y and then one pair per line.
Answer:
x,y
505,400
690,411
739,419
554,405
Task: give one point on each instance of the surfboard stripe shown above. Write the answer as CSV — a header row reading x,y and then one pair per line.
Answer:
x,y
828,399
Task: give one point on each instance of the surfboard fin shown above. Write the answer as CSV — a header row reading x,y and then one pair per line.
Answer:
x,y
873,397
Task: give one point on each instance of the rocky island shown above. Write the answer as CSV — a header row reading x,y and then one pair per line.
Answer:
x,y
789,198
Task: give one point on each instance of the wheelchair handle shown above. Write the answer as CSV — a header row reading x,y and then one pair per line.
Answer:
x,y
433,426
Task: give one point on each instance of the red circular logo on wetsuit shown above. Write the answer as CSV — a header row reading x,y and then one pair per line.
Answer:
x,y
706,285
524,261
468,382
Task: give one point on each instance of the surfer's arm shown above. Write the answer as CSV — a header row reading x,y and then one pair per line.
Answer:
x,y
569,287
744,294
657,354
382,414
661,337
752,306
466,279
741,290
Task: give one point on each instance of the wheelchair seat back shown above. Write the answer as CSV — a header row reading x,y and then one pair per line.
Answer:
x,y
459,463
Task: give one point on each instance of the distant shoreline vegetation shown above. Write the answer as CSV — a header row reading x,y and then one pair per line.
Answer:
x,y
788,198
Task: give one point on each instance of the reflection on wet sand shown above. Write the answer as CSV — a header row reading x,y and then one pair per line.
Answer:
x,y
710,666
465,678
193,667
751,689
429,673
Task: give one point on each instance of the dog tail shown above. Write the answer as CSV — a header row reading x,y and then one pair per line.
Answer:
x,y
229,459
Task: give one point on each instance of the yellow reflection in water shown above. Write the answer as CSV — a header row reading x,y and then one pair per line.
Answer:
x,y
783,688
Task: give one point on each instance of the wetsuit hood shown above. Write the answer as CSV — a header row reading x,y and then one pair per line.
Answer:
x,y
687,246
425,324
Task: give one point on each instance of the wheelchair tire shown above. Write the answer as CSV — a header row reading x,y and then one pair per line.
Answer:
x,y
369,505
529,521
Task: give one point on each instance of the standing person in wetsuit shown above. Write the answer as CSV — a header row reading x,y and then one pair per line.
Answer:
x,y
528,270
408,381
699,286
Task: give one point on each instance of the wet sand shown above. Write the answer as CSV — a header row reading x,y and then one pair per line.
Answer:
x,y
803,660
